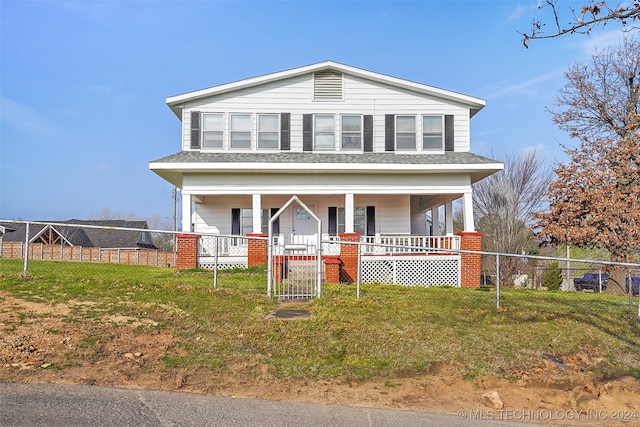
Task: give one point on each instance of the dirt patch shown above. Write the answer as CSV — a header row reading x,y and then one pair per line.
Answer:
x,y
39,343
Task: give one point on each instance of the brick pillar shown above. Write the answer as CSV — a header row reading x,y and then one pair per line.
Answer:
x,y
187,251
471,263
332,269
256,250
349,257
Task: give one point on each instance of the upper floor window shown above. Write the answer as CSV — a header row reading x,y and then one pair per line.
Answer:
x,y
351,132
432,134
405,133
212,130
268,131
323,132
240,133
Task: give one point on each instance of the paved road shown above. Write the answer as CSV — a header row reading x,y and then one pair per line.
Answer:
x,y
66,405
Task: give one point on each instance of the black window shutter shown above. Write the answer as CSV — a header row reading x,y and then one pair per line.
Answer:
x,y
448,133
276,223
333,221
368,133
389,132
235,221
285,131
195,129
371,220
307,136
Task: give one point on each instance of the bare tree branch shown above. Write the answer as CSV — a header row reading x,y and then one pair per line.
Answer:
x,y
591,15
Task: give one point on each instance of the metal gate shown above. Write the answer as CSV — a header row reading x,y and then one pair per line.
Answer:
x,y
295,269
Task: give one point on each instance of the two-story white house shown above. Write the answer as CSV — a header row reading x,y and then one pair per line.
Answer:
x,y
368,153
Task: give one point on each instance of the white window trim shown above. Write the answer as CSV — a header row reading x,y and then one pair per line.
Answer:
x,y
341,133
415,133
429,149
257,128
203,130
251,131
313,125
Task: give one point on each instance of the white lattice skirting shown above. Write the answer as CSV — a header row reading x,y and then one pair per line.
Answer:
x,y
413,270
224,262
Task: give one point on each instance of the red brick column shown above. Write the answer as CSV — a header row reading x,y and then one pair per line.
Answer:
x,y
187,251
256,250
349,257
471,263
332,269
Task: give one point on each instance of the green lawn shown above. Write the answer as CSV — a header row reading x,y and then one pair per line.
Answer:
x,y
391,331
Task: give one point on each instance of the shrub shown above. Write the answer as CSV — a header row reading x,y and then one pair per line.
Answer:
x,y
552,276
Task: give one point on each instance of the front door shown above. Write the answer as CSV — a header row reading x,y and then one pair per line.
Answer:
x,y
305,228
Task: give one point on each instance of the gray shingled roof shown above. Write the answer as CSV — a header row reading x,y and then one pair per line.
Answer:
x,y
447,158
88,237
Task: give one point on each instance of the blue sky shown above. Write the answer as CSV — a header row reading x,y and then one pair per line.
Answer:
x,y
83,84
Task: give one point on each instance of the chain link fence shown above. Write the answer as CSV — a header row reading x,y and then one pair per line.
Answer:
x,y
402,264
84,243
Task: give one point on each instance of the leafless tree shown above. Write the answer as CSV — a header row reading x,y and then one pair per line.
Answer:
x,y
505,204
592,14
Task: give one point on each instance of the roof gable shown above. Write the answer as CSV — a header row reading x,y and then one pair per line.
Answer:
x,y
176,103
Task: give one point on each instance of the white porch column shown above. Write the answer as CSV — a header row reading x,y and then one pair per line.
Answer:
x,y
448,218
348,213
256,205
435,221
187,217
467,206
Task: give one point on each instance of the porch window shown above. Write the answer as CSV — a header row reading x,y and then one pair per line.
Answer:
x,y
241,221
364,220
212,129
323,132
240,135
268,125
266,216
405,133
351,132
432,134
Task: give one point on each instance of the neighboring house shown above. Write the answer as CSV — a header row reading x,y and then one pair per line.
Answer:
x,y
368,153
72,233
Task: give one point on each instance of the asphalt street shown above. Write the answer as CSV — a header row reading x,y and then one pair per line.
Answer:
x,y
70,405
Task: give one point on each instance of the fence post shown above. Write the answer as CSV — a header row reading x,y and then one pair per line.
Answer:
x,y
498,281
359,273
26,252
215,263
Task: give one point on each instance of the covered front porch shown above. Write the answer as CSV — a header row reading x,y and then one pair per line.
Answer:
x,y
396,219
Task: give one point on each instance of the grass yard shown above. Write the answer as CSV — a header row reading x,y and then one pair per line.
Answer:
x,y
117,325
389,331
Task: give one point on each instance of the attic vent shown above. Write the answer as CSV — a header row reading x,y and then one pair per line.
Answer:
x,y
327,85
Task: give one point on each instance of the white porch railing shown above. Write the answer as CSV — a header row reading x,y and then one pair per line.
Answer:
x,y
408,244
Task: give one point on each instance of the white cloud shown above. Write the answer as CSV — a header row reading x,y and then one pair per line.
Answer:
x,y
523,9
103,167
26,119
526,87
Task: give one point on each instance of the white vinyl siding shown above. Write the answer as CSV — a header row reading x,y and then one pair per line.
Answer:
x,y
360,97
391,212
